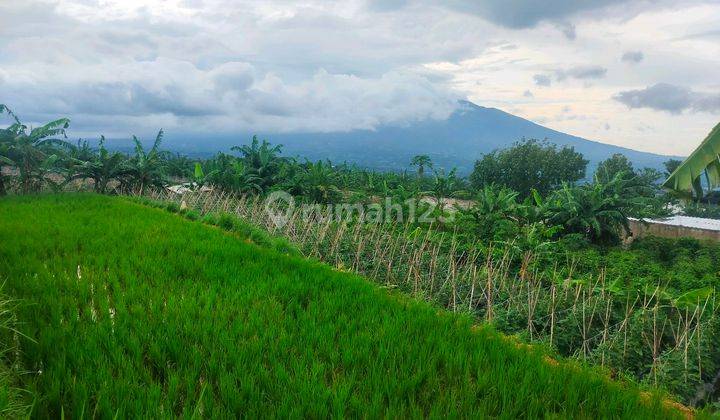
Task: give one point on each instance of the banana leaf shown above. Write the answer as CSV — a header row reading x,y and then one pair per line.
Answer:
x,y
703,162
693,297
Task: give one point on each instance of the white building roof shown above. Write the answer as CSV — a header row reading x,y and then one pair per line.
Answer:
x,y
687,221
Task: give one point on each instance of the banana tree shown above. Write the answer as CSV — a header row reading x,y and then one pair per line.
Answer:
x,y
597,210
494,200
262,160
30,151
146,168
703,164
443,187
228,173
102,167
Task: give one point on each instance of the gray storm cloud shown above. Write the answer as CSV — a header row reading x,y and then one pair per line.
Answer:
x,y
522,14
581,72
278,66
632,56
232,66
671,98
542,80
528,13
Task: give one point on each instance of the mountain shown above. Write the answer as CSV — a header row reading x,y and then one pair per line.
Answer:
x,y
458,141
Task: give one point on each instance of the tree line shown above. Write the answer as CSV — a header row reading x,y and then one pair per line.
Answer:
x,y
532,185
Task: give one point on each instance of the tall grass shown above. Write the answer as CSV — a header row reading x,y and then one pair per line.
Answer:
x,y
14,401
141,313
592,318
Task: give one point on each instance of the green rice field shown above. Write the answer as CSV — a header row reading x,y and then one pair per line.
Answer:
x,y
132,311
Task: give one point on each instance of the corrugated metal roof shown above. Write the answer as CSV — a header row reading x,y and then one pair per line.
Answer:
x,y
687,221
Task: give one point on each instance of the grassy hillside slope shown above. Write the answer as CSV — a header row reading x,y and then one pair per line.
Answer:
x,y
138,311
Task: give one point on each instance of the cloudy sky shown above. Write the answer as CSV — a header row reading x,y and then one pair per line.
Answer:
x,y
636,73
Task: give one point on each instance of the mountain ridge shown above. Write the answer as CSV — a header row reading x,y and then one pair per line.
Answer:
x,y
471,131
456,142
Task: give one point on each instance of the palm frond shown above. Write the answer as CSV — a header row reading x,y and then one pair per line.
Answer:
x,y
4,108
139,151
705,160
53,128
158,140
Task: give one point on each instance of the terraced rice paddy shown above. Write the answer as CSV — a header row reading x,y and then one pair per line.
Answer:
x,y
134,311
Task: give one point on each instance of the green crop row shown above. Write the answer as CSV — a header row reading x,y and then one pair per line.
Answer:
x,y
134,312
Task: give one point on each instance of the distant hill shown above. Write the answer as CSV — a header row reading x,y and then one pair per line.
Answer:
x,y
458,141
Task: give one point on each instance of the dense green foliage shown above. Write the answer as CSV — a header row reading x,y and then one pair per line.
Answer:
x,y
671,165
709,211
30,152
139,312
529,165
616,165
598,211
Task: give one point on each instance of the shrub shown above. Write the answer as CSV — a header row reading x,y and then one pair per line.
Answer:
x,y
227,222
284,246
209,219
574,242
192,214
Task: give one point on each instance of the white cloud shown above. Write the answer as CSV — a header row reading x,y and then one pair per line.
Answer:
x,y
253,66
219,65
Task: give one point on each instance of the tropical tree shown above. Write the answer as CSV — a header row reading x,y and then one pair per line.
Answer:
x,y
102,167
494,214
318,182
146,168
230,174
494,200
30,151
262,160
7,137
610,167
178,165
443,187
198,177
244,181
80,151
529,165
670,166
403,192
598,211
422,162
